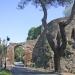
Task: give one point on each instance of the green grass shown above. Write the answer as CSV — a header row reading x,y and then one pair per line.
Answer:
x,y
5,72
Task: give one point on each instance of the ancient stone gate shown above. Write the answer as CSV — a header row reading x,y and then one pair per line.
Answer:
x,y
27,47
10,52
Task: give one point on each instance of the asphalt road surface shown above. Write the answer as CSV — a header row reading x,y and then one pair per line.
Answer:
x,y
17,70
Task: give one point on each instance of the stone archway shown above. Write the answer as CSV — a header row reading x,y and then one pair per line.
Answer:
x,y
10,52
28,49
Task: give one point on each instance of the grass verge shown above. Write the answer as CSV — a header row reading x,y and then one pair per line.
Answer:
x,y
5,72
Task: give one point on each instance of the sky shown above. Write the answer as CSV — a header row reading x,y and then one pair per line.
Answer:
x,y
15,23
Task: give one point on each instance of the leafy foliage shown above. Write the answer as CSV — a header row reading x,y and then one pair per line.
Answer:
x,y
22,3
8,39
2,49
33,33
67,11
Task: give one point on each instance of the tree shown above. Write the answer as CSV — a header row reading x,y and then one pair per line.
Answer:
x,y
67,11
34,33
2,51
55,42
5,44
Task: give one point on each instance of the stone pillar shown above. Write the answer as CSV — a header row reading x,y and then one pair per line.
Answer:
x,y
10,55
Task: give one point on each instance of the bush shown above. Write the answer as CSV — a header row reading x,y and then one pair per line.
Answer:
x,y
34,33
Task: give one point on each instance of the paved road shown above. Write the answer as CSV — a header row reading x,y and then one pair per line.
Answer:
x,y
26,71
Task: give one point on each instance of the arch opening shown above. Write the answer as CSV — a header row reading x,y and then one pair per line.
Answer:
x,y
18,53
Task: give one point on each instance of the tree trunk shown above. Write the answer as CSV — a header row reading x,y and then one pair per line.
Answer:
x,y
50,40
57,54
5,63
57,63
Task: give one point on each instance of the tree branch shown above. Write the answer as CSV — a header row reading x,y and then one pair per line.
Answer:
x,y
44,23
